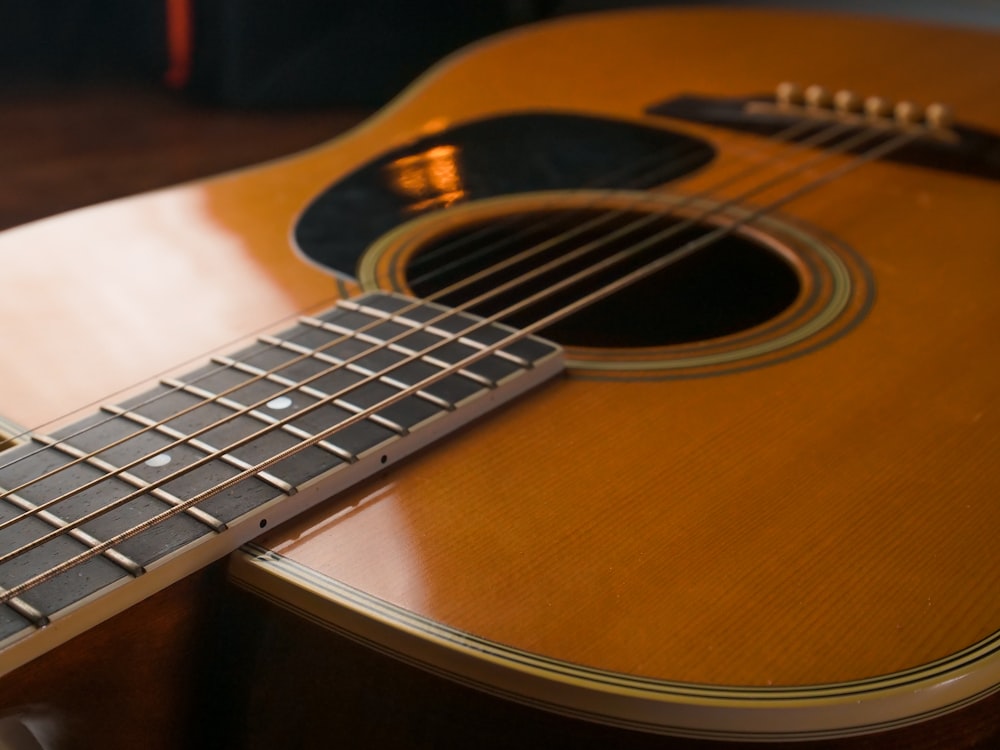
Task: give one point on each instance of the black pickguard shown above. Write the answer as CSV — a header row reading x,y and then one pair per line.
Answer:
x,y
504,155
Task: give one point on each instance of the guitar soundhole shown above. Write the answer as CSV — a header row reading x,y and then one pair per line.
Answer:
x,y
733,284
762,291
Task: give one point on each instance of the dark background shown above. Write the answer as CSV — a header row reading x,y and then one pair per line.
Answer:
x,y
312,52
86,115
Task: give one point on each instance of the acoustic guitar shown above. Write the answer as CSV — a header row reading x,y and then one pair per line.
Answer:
x,y
609,387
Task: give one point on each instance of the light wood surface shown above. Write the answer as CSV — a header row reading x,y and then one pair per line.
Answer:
x,y
829,519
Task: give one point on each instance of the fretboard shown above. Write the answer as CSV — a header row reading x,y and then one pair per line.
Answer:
x,y
106,511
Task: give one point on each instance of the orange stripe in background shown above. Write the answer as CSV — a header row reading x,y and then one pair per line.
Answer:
x,y
179,43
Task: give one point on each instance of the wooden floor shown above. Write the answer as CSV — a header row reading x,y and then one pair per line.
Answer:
x,y
66,147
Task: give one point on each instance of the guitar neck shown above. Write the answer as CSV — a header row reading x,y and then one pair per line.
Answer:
x,y
161,484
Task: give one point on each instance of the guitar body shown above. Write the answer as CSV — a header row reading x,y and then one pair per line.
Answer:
x,y
784,532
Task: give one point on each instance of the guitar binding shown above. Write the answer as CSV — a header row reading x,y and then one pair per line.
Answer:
x,y
770,291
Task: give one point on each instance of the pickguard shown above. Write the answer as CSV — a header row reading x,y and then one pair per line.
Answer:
x,y
514,153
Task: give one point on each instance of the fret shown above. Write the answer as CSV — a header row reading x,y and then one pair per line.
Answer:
x,y
231,429
199,463
306,414
400,417
27,512
450,325
17,606
302,363
21,527
303,436
438,344
343,346
80,494
526,350
202,409
308,463
53,591
321,362
177,468
450,335
71,491
158,493
177,435
129,566
312,392
361,438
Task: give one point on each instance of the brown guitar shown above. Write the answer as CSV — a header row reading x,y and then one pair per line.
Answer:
x,y
702,369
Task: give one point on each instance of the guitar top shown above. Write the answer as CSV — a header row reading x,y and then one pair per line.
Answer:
x,y
762,500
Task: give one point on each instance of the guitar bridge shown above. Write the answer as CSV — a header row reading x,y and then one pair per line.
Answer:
x,y
946,147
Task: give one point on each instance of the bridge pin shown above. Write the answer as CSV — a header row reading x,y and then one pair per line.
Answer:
x,y
788,94
939,116
877,108
908,113
847,102
817,96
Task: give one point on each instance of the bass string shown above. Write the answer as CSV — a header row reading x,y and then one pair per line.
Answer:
x,y
479,239
783,137
715,235
634,176
538,325
642,222
846,117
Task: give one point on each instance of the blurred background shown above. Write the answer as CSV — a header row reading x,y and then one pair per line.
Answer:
x,y
102,98
308,52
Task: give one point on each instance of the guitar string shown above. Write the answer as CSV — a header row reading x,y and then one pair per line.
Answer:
x,y
637,224
800,146
606,186
643,174
603,218
656,265
189,437
84,457
784,136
